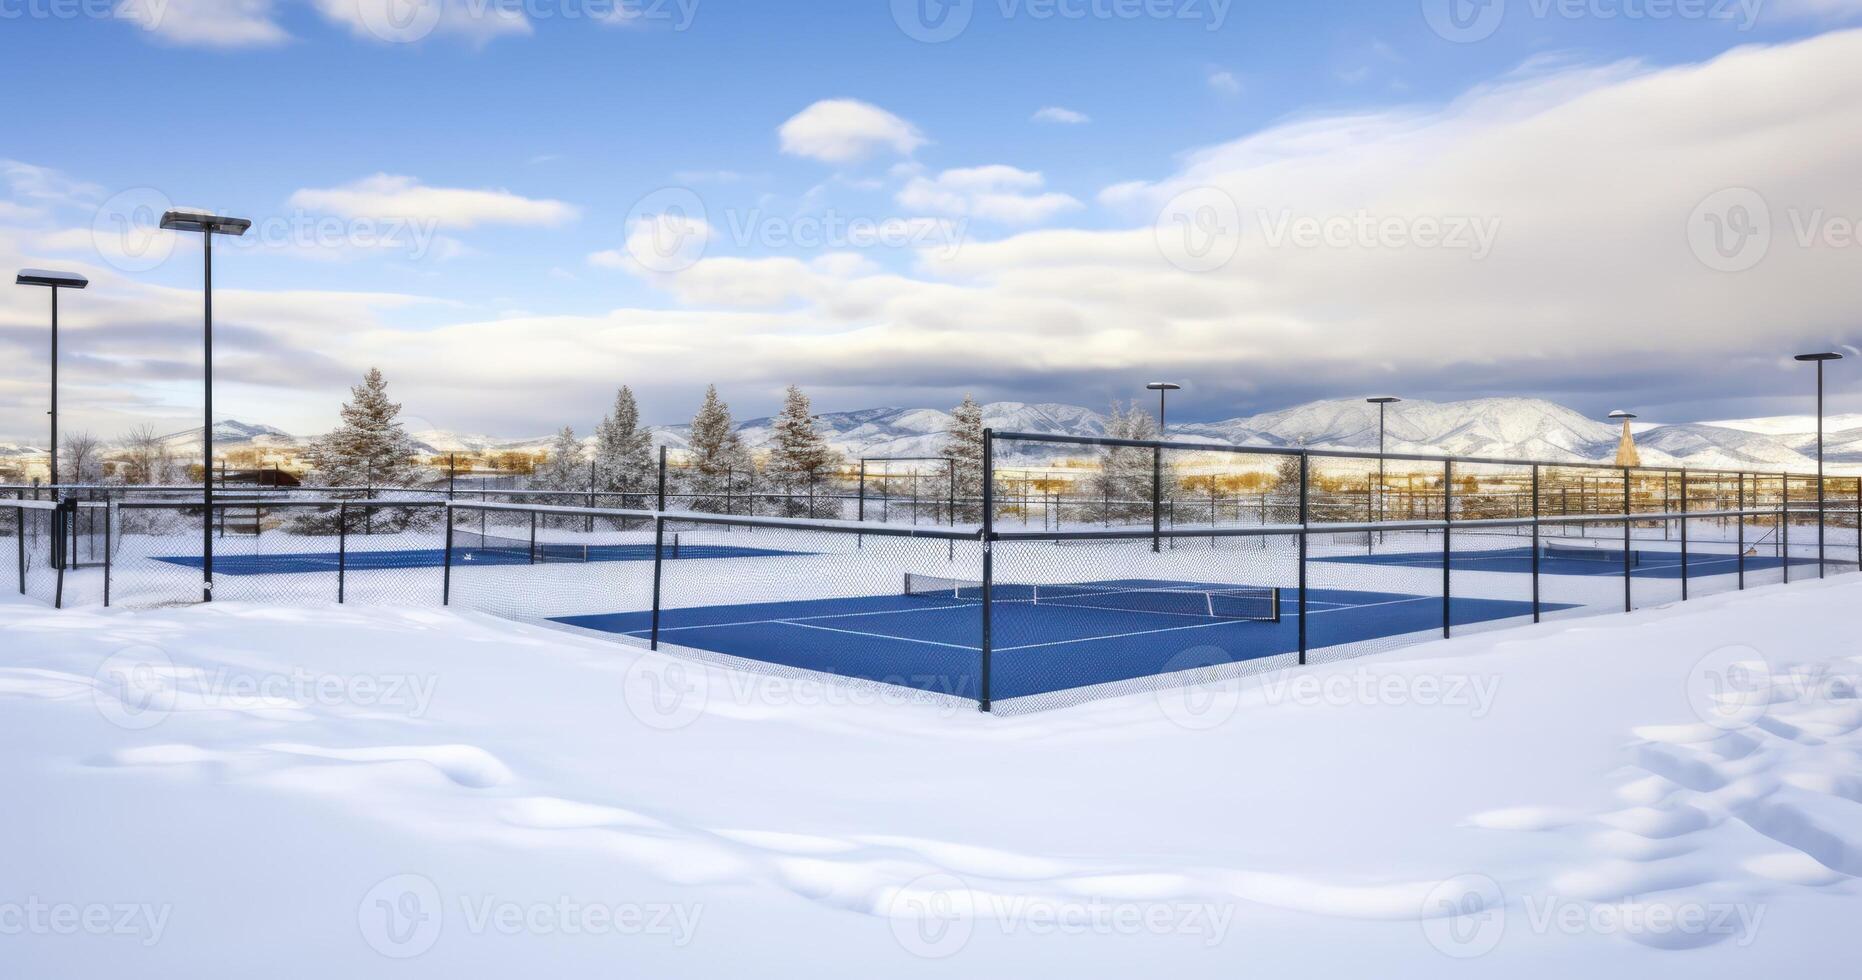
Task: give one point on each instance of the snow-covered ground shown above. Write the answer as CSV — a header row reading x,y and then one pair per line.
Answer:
x,y
319,791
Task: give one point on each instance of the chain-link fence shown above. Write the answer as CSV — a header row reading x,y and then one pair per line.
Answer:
x,y
1085,567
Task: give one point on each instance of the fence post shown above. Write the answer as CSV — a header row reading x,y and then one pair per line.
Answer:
x,y
1157,498
1305,475
109,529
1784,524
533,537
19,516
452,468
1448,548
342,548
1535,543
989,559
662,479
446,570
1628,555
1683,535
659,564
1741,533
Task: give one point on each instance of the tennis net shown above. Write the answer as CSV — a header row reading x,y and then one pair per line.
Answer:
x,y
526,550
1566,552
1243,602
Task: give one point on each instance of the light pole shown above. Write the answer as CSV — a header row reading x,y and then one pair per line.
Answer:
x,y
55,280
1819,359
1163,389
208,225
1383,402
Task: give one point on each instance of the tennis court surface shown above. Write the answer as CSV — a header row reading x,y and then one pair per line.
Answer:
x,y
1046,638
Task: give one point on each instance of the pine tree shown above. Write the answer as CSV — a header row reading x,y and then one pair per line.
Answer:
x,y
564,468
1122,489
963,444
369,449
720,465
623,450
800,458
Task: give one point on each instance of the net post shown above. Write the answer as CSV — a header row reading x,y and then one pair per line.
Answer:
x,y
1448,513
446,569
342,548
1628,559
1536,604
659,564
1305,475
1683,535
989,570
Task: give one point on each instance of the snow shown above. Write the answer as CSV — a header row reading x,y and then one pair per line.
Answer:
x,y
371,791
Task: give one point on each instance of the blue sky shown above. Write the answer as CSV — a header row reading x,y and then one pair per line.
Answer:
x,y
527,142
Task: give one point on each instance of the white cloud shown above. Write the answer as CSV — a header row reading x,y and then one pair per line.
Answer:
x,y
994,193
846,130
206,23
410,21
391,196
1057,114
1223,82
1592,283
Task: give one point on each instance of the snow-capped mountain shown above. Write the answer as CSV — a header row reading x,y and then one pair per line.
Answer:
x,y
1506,428
231,434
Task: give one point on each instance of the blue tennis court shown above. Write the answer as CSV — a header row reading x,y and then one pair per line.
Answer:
x,y
932,642
364,561
1577,560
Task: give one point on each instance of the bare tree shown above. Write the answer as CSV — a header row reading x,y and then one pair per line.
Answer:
x,y
146,458
81,459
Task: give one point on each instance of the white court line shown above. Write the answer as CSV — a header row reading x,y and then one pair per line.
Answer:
x,y
877,636
1226,622
795,619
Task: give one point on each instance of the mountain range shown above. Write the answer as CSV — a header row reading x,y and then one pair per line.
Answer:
x,y
1513,428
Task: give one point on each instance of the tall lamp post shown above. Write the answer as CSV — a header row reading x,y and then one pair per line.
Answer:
x,y
57,281
208,225
1163,389
1383,402
1819,359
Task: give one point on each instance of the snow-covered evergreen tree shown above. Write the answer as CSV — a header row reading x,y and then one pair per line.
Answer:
x,y
963,444
624,451
1121,491
369,449
566,466
719,463
800,458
